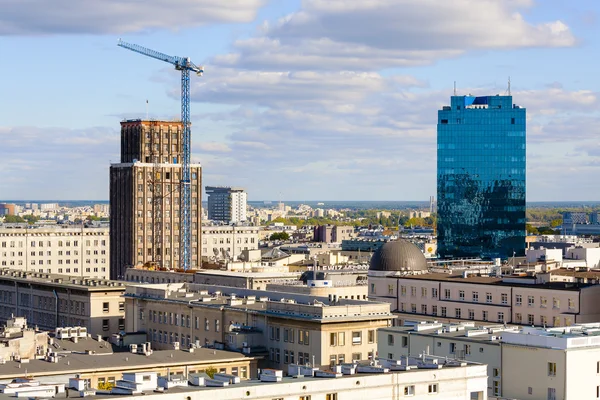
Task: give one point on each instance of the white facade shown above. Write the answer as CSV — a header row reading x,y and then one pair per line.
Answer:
x,y
447,383
79,251
226,242
238,206
543,254
590,255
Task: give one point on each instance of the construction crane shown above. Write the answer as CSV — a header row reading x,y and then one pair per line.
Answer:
x,y
185,65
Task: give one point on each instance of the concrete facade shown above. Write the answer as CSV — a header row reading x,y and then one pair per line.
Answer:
x,y
504,300
83,252
144,198
49,301
291,328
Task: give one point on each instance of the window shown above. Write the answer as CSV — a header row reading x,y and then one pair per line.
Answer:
x,y
390,340
530,301
434,293
306,397
467,349
105,324
434,310
551,369
496,388
504,298
423,292
495,372
452,348
404,341
500,317
484,315
423,308
403,290
461,295
518,318
331,396
413,291
105,307
475,297
543,302
371,334
518,300
341,338
551,394
432,388
443,311
333,339
413,308
530,319
471,314
488,298
390,289
409,390
332,360
356,337
555,303
457,312
571,304
356,356
447,293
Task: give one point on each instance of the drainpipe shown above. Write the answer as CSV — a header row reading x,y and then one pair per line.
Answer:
x,y
56,305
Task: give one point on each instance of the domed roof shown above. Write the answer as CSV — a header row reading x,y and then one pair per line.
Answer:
x,y
399,255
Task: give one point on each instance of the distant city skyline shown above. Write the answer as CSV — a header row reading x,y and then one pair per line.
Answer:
x,y
312,99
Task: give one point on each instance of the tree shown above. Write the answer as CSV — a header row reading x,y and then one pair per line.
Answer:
x,y
211,371
10,219
32,219
532,230
556,222
105,385
279,236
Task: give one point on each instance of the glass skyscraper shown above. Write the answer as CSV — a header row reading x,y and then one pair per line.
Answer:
x,y
481,177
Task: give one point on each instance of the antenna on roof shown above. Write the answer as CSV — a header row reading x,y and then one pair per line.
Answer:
x,y
455,88
509,86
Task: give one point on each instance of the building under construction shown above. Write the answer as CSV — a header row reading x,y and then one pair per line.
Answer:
x,y
145,201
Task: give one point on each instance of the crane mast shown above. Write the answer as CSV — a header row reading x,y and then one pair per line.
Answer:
x,y
184,65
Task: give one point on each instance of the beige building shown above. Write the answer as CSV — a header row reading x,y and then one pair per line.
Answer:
x,y
49,301
289,328
83,252
20,342
101,369
399,275
144,198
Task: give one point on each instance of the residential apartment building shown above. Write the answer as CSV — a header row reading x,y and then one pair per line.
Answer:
x,y
290,328
145,201
481,177
49,301
332,233
226,204
228,241
523,363
80,251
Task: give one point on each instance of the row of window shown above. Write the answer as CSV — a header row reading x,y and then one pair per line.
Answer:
x,y
289,335
106,324
485,315
176,319
475,296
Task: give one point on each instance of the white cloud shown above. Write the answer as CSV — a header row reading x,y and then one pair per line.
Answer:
x,y
372,34
40,17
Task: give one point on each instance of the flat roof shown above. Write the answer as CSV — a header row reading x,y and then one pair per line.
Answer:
x,y
57,280
249,274
486,280
489,334
118,362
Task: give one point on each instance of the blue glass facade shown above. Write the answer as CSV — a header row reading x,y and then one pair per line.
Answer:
x,y
481,177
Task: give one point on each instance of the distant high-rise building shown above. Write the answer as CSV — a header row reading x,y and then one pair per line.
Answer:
x,y
578,217
144,197
481,177
227,204
7,209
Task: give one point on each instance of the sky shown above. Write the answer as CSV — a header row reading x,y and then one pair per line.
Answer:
x,y
300,100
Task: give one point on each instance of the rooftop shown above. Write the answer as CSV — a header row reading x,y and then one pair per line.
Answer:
x,y
492,334
269,302
80,363
68,281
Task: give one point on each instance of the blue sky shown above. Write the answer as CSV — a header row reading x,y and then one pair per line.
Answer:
x,y
307,100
